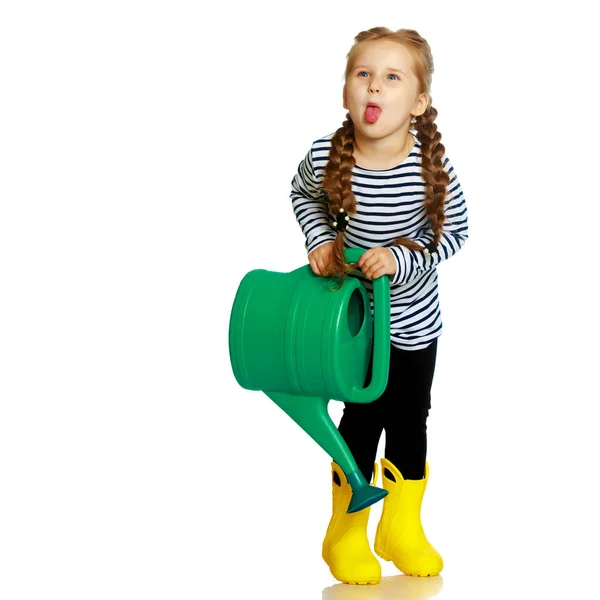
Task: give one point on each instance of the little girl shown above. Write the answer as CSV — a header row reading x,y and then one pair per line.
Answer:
x,y
376,185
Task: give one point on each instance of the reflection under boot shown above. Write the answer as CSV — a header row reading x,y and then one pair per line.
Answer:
x,y
397,587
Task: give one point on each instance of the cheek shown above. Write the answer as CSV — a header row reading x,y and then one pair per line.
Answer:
x,y
353,95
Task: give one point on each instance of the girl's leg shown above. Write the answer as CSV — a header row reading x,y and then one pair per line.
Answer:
x,y
361,427
406,408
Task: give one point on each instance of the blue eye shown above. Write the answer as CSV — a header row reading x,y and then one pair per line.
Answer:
x,y
361,73
395,76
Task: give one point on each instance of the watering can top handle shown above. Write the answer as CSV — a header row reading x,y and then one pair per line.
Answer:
x,y
353,254
381,337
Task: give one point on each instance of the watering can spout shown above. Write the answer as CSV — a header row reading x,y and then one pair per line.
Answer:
x,y
311,414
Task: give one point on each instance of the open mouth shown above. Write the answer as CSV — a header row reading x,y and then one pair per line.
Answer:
x,y
372,112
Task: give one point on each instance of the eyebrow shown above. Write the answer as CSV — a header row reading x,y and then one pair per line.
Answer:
x,y
387,68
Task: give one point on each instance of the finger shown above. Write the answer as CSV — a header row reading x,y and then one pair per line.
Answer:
x,y
325,266
322,266
362,260
373,268
314,267
366,266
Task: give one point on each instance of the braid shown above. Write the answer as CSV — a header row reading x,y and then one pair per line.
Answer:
x,y
337,182
435,177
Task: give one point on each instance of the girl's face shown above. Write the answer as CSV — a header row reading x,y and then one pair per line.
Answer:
x,y
381,92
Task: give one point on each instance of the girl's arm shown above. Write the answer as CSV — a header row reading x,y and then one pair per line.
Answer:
x,y
310,205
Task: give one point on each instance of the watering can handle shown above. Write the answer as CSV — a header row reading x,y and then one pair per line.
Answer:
x,y
381,334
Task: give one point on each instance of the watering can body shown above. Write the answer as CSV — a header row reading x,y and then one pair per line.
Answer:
x,y
303,343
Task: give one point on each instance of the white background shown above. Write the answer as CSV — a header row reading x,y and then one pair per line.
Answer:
x,y
146,155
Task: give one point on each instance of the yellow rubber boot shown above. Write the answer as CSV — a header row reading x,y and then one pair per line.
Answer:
x,y
346,547
400,536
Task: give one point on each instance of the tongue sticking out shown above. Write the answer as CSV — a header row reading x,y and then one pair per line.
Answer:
x,y
372,114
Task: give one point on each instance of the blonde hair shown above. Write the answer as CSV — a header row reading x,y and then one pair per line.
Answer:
x,y
337,180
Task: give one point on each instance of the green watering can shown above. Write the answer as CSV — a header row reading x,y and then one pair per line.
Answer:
x,y
302,343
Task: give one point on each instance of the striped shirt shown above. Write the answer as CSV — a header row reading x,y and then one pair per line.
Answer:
x,y
389,204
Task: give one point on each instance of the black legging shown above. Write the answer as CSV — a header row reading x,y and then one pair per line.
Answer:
x,y
401,410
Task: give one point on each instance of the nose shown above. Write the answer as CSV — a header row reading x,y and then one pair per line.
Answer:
x,y
374,86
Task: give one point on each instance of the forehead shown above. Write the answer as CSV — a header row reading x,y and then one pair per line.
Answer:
x,y
385,53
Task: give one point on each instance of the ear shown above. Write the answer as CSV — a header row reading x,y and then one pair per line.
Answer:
x,y
344,103
420,105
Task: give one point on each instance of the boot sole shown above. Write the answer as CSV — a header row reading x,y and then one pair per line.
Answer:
x,y
356,582
406,572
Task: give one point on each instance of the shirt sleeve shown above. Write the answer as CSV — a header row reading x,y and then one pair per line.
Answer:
x,y
410,264
311,207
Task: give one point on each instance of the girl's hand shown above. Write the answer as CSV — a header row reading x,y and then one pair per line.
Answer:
x,y
376,262
320,259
